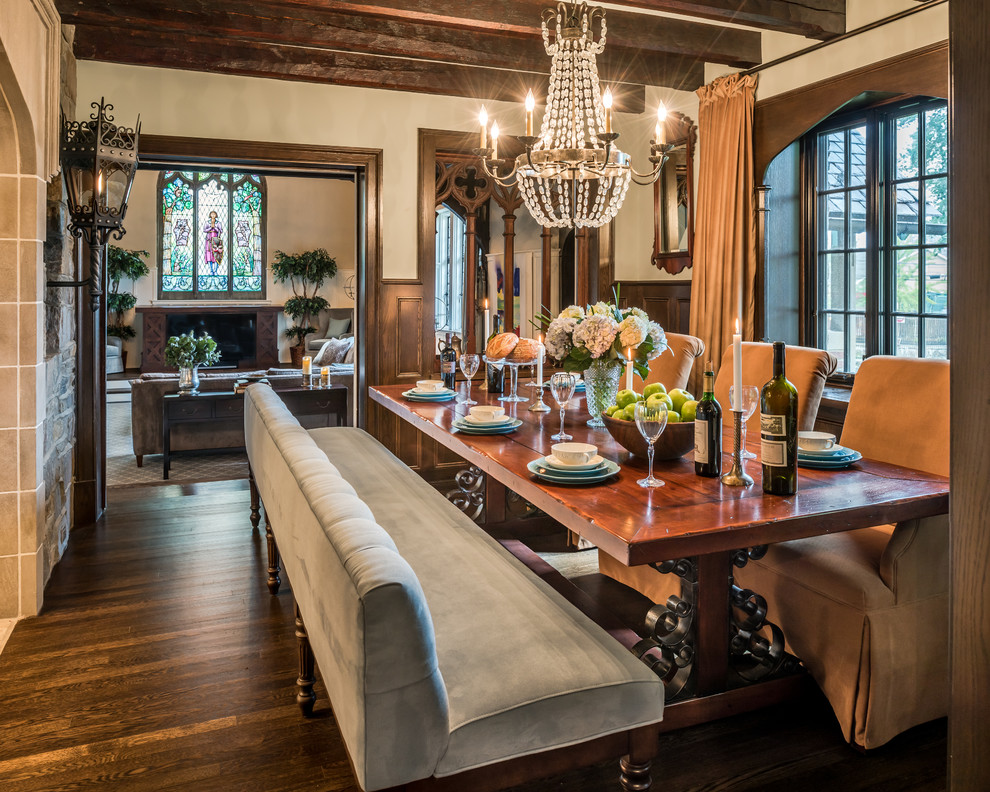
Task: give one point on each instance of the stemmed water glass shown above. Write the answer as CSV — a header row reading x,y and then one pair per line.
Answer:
x,y
469,367
651,420
750,399
562,387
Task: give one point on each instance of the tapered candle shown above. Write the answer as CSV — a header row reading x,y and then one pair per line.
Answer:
x,y
661,129
488,321
607,101
736,369
307,365
494,139
483,119
539,363
530,104
629,368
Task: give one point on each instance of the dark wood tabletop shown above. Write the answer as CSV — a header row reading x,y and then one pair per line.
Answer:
x,y
689,516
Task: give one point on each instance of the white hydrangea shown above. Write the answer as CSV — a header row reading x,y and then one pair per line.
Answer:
x,y
659,341
572,312
558,342
601,309
639,313
596,333
633,330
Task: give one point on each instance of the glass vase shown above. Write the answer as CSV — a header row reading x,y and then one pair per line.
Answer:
x,y
189,380
601,384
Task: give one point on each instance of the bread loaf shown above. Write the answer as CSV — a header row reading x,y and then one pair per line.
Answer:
x,y
501,346
526,350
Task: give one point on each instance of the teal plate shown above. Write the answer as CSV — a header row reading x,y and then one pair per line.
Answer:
x,y
548,474
829,464
466,428
443,397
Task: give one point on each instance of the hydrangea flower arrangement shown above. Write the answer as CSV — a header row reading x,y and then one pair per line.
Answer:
x,y
603,332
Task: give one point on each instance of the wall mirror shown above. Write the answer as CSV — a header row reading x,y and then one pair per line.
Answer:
x,y
673,198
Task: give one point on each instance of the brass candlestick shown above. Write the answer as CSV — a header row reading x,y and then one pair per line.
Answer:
x,y
736,477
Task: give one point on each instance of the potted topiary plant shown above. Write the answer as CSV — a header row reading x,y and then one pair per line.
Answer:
x,y
187,353
122,264
307,272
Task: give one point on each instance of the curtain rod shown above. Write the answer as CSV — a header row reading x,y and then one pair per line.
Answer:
x,y
847,35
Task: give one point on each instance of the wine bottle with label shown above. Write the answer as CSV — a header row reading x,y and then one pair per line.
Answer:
x,y
708,430
496,375
448,361
778,430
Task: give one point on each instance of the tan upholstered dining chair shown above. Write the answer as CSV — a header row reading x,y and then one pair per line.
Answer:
x,y
867,610
673,367
805,367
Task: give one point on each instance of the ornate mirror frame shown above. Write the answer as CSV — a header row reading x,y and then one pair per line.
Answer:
x,y
678,182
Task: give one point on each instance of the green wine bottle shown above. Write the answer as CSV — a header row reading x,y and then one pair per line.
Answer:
x,y
778,430
708,430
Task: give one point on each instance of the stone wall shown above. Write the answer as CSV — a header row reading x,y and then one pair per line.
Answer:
x,y
60,350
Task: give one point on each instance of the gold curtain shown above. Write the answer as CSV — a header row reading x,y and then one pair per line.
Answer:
x,y
724,276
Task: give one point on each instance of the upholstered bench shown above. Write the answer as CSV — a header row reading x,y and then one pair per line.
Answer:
x,y
448,663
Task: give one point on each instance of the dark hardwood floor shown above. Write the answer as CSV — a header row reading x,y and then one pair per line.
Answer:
x,y
161,662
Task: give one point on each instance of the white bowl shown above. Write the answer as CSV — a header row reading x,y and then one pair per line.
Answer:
x,y
430,386
815,441
574,453
487,412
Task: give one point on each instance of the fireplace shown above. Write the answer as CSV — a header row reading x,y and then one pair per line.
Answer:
x,y
246,335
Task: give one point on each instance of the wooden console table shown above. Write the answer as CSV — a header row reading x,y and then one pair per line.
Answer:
x,y
209,406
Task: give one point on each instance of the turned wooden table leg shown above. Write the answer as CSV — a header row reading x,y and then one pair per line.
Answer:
x,y
634,768
305,698
274,559
255,500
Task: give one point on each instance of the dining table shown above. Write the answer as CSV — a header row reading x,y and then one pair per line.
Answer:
x,y
713,642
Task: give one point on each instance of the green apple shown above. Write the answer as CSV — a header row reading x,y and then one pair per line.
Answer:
x,y
673,416
640,397
613,409
630,411
653,387
678,396
658,398
625,397
688,410
621,415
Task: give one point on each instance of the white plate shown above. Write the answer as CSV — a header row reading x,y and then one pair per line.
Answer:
x,y
826,453
442,392
551,461
502,419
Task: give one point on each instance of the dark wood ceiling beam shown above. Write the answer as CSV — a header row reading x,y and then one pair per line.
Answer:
x,y
204,53
263,22
820,19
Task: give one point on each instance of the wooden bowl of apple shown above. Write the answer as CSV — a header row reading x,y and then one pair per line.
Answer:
x,y
677,437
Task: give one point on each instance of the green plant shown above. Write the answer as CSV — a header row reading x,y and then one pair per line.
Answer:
x,y
122,264
186,351
307,272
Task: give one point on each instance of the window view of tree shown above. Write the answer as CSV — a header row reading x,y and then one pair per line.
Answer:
x,y
450,271
881,198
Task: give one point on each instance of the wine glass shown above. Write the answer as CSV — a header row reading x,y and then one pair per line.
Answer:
x,y
750,398
651,420
469,367
562,387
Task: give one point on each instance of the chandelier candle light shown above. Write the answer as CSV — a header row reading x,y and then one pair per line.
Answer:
x,y
572,174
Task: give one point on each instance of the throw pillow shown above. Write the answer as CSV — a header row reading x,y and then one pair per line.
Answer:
x,y
333,351
349,357
337,327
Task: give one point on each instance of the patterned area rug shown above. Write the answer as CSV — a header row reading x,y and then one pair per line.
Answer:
x,y
122,469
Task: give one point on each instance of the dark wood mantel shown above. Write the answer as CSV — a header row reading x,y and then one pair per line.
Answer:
x,y
155,336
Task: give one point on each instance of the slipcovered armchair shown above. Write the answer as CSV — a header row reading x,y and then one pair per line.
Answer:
x,y
673,368
334,323
867,610
115,355
806,368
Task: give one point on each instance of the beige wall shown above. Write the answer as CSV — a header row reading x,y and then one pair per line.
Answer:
x,y
303,214
29,56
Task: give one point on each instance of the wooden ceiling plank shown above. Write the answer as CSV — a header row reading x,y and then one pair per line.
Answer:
x,y
200,53
260,23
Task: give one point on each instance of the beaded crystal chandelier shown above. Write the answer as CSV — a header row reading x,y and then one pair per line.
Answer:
x,y
572,174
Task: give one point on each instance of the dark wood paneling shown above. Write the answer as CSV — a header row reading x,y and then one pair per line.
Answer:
x,y
782,119
969,337
667,302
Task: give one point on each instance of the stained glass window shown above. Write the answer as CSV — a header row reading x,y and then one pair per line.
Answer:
x,y
212,235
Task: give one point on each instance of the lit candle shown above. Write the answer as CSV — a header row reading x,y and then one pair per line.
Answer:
x,y
607,101
483,119
325,376
737,369
488,320
661,129
530,104
494,139
629,368
539,363
307,365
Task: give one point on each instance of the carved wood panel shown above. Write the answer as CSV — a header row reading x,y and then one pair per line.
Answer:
x,y
153,345
267,340
667,302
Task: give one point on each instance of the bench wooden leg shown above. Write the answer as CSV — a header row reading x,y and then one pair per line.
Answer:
x,y
255,500
140,459
274,559
634,768
305,698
